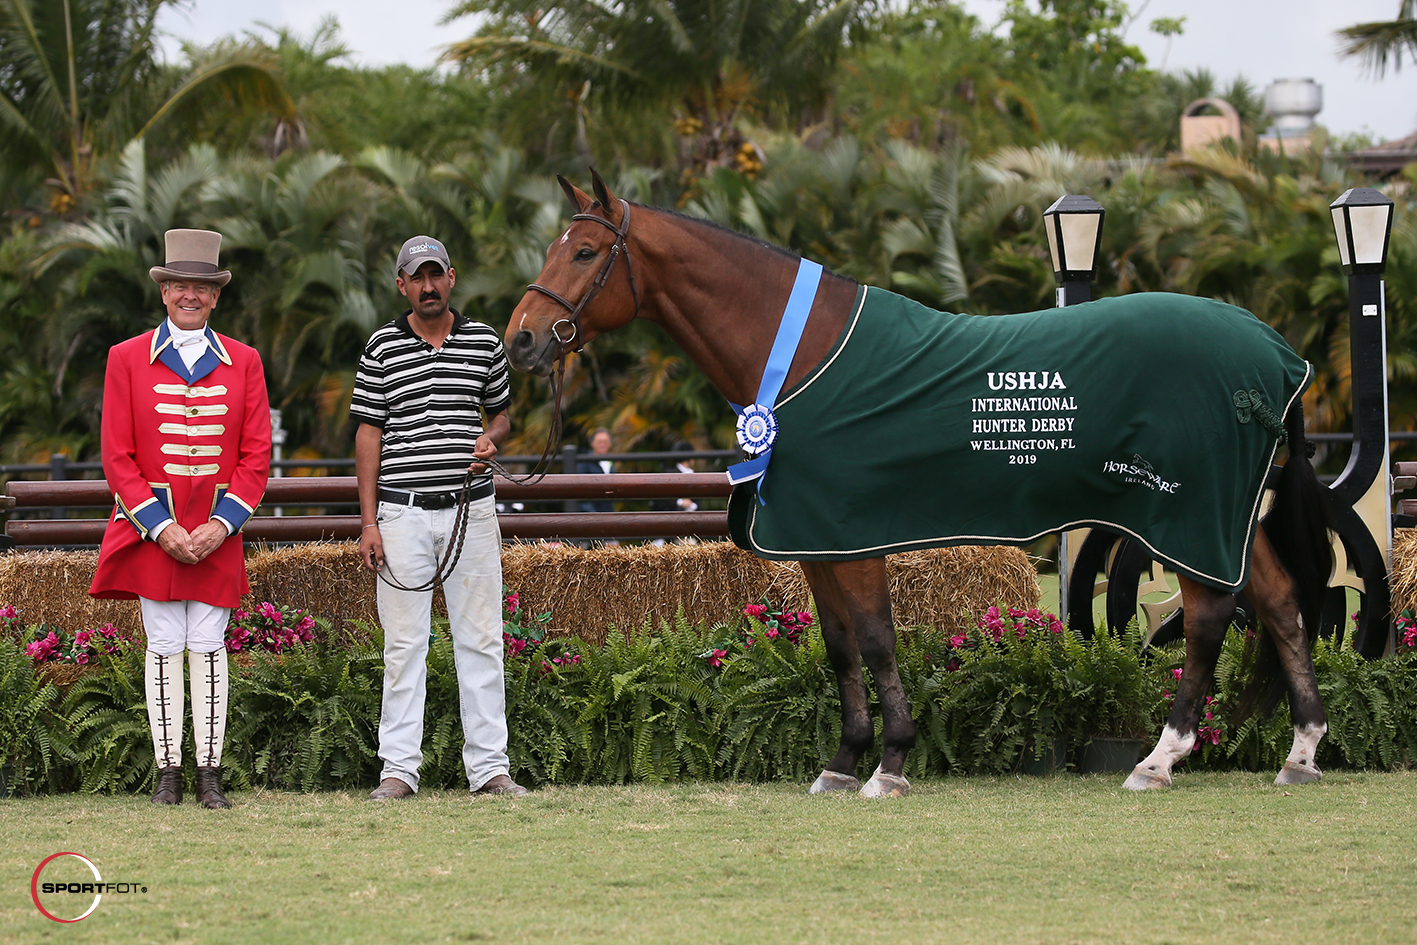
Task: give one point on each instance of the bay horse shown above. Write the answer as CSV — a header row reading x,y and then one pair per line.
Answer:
x,y
718,294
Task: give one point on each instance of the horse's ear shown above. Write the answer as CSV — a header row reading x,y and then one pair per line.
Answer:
x,y
578,199
602,193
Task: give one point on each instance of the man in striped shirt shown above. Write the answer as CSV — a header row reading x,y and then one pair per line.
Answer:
x,y
424,385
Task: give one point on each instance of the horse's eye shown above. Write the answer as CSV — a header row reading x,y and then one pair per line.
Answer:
x,y
585,253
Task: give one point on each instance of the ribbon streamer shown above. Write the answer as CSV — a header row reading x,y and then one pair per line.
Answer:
x,y
757,425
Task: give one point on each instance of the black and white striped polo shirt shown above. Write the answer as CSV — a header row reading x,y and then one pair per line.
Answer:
x,y
427,400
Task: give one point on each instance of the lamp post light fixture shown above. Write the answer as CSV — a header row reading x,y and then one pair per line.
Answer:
x,y
1362,506
1074,227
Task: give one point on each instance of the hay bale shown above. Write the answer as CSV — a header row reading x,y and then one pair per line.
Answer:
x,y
590,590
325,578
586,590
53,587
1403,579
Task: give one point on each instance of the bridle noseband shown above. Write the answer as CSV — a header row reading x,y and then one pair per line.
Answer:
x,y
574,320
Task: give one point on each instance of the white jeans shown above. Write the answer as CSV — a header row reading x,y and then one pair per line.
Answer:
x,y
176,625
414,541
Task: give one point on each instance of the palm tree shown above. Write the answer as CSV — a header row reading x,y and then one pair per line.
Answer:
x,y
1376,43
79,80
697,63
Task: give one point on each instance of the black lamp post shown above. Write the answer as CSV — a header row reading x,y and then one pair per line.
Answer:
x,y
1074,228
1362,222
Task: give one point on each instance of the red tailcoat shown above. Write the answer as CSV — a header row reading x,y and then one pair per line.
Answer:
x,y
189,446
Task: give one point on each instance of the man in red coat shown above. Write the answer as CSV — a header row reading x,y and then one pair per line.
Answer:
x,y
186,451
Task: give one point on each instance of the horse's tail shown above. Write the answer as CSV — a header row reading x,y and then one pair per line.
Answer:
x,y
1298,528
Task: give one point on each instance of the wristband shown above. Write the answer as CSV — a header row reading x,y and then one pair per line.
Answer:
x,y
370,525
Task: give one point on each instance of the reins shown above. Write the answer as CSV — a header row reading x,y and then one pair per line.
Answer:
x,y
553,433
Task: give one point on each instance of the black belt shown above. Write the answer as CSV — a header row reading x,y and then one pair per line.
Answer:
x,y
433,500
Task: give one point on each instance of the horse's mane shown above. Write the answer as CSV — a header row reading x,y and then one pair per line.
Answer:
x,y
717,227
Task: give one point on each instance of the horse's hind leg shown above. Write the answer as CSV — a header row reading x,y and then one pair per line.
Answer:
x,y
1207,616
840,639
1272,591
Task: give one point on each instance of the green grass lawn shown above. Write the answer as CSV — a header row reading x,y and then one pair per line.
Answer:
x,y
1219,858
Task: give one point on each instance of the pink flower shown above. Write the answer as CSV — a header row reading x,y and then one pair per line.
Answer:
x,y
952,666
1056,625
755,610
511,603
1175,674
239,614
108,631
268,610
83,638
82,659
804,619
8,612
43,651
958,640
772,632
716,660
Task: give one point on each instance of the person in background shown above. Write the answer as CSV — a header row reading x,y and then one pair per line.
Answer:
x,y
600,443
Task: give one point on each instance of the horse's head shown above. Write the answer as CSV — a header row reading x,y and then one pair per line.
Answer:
x,y
585,288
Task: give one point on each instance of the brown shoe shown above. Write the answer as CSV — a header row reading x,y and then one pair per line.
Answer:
x,y
504,785
169,786
391,789
209,789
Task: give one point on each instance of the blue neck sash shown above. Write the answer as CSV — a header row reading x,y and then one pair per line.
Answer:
x,y
757,427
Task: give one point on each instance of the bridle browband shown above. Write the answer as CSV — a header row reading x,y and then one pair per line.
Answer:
x,y
574,320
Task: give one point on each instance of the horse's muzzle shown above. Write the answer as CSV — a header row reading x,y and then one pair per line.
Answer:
x,y
532,356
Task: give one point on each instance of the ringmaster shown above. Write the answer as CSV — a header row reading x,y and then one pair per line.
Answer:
x,y
425,383
186,449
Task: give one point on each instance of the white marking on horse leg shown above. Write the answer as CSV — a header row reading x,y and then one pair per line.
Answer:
x,y
1155,769
886,785
1300,767
829,781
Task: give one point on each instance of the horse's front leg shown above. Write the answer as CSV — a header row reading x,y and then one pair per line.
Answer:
x,y
865,598
1207,616
839,636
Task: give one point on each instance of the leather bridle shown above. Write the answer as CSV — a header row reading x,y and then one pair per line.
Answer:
x,y
568,343
620,248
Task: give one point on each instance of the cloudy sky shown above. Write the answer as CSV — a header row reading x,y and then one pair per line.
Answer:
x,y
1263,40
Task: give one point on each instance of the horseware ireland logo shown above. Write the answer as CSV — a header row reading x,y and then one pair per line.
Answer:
x,y
58,889
1141,472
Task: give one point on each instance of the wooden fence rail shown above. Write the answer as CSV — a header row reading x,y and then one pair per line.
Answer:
x,y
334,490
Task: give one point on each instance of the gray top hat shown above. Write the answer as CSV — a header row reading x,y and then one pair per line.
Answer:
x,y
191,257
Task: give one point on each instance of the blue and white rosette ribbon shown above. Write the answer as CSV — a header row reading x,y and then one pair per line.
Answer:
x,y
757,426
757,429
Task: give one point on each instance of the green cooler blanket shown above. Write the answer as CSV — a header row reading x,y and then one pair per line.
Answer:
x,y
1153,415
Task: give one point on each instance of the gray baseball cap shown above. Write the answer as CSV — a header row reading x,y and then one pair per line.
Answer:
x,y
419,250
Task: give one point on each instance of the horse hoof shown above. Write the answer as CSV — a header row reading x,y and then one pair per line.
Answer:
x,y
1144,778
886,785
1293,773
829,781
